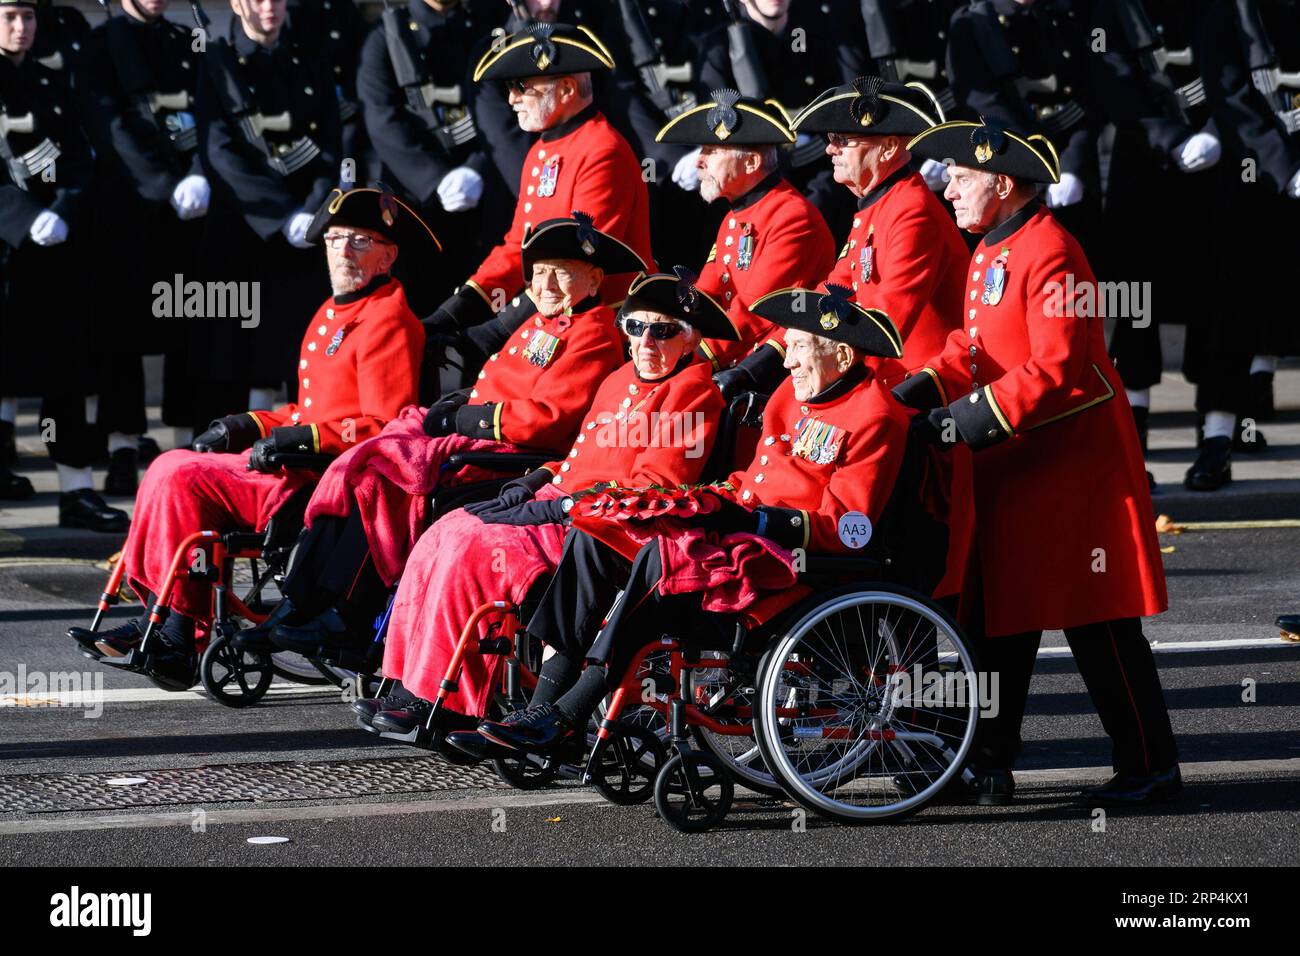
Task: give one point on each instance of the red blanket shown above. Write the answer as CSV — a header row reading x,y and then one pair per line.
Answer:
x,y
390,477
184,492
458,564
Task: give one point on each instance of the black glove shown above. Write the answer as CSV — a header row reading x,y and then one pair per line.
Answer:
x,y
728,518
295,439
234,433
928,427
733,381
440,419
462,310
550,511
511,496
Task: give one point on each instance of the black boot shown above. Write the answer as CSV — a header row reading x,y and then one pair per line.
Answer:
x,y
258,638
1125,789
1212,468
1289,625
173,661
367,707
14,487
995,788
148,449
85,509
118,641
323,633
123,473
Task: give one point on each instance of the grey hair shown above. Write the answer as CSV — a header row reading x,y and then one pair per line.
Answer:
x,y
769,158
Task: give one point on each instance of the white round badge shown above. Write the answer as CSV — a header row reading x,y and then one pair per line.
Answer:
x,y
855,530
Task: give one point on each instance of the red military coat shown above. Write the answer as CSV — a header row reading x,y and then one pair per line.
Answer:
x,y
534,390
358,366
674,421
583,165
1065,530
905,257
773,238
826,459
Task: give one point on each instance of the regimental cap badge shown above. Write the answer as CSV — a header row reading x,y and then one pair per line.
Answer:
x,y
988,139
834,306
542,50
867,106
687,294
723,118
588,237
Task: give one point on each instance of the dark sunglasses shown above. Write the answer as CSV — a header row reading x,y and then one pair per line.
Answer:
x,y
658,330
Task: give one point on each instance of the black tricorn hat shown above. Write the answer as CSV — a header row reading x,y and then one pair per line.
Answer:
x,y
675,294
990,146
377,209
870,106
577,238
731,120
834,315
544,49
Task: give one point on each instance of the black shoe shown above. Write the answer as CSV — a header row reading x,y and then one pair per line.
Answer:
x,y
258,638
8,445
85,509
1125,789
125,637
173,669
474,744
367,707
407,717
1212,468
1289,625
994,788
325,632
123,476
14,487
116,642
1257,445
1259,397
148,449
534,729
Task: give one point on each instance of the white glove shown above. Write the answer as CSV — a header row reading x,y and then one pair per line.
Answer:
x,y
1198,151
685,175
1293,187
48,229
1065,193
295,230
460,189
190,197
935,174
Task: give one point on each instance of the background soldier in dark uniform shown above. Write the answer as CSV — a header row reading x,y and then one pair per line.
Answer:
x,y
414,83
334,30
270,140
138,77
1258,189
792,68
61,37
44,172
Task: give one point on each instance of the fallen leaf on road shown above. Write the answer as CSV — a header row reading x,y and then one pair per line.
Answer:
x,y
1168,550
554,819
1165,525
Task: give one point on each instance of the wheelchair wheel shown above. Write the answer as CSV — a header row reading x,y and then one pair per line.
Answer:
x,y
234,677
728,697
867,704
527,771
626,771
693,792
300,670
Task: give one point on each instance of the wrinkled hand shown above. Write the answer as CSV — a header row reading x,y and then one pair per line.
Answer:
x,y
48,229
527,513
191,196
1065,193
685,175
460,189
295,230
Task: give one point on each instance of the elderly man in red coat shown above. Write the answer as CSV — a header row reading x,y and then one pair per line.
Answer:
x,y
359,365
579,161
371,505
663,402
771,238
833,442
1065,533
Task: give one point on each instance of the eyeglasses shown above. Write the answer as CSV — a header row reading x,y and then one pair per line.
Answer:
x,y
517,87
662,331
840,141
358,243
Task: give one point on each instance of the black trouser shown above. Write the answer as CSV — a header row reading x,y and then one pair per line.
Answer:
x,y
1119,670
74,442
585,585
333,567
